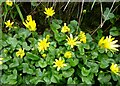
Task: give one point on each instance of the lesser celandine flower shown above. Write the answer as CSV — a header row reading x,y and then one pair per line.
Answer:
x,y
68,54
65,28
59,64
49,11
1,61
72,41
43,45
9,2
44,55
108,43
82,37
115,69
30,24
20,53
8,24
48,36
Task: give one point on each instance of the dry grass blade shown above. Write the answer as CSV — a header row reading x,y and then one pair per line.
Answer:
x,y
66,5
93,4
100,26
81,12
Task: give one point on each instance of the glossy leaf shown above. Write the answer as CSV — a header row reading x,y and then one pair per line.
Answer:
x,y
68,72
32,56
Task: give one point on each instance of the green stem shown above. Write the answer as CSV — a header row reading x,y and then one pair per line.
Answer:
x,y
19,11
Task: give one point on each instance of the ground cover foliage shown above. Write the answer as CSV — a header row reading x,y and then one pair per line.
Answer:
x,y
60,43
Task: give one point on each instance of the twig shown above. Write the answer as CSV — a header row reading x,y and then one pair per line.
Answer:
x,y
115,8
81,11
101,12
35,8
100,26
66,5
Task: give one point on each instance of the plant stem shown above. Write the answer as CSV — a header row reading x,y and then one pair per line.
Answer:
x,y
19,11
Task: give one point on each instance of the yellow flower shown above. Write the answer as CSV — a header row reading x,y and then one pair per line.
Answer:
x,y
48,36
101,42
65,28
72,41
44,55
59,64
8,24
115,69
49,12
68,54
1,61
82,37
30,24
9,2
20,53
42,45
108,43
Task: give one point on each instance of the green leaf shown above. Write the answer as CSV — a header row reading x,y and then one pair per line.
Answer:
x,y
26,69
47,80
38,72
114,31
70,81
7,58
4,79
12,81
12,41
58,36
94,54
15,63
36,80
103,79
57,21
52,50
85,72
42,63
15,72
4,43
92,45
99,34
53,43
86,80
104,63
3,66
114,76
66,67
0,44
24,33
101,50
55,25
74,62
12,76
93,66
32,56
81,49
71,28
68,72
88,37
107,15
53,79
73,25
33,41
25,46
86,46
110,54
